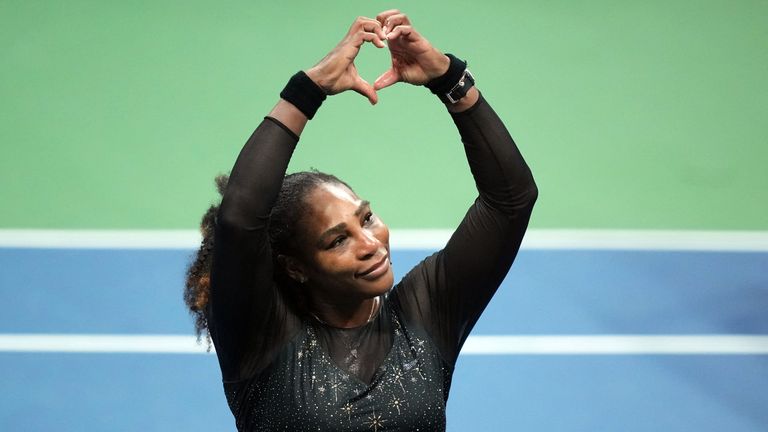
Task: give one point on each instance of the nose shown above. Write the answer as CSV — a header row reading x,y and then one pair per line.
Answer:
x,y
369,245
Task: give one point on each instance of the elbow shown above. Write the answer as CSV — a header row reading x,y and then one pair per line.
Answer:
x,y
527,191
225,218
520,198
243,208
531,193
525,195
229,214
513,203
524,200
233,214
236,226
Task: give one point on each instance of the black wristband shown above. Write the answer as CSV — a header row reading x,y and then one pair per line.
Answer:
x,y
304,94
444,83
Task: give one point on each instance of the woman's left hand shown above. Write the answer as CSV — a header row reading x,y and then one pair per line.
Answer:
x,y
414,59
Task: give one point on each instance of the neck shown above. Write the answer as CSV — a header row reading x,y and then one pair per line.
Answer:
x,y
345,315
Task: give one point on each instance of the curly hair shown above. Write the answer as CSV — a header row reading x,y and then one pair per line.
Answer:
x,y
284,238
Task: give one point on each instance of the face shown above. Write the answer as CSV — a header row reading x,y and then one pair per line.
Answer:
x,y
347,246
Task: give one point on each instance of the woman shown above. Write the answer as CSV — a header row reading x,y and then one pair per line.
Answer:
x,y
309,331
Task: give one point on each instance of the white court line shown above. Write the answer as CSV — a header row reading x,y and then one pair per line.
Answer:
x,y
736,241
617,344
475,345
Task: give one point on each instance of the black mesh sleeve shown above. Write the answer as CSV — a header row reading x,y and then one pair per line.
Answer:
x,y
448,291
247,318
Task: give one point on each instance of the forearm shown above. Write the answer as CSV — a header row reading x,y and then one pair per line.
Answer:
x,y
466,102
500,172
290,116
258,172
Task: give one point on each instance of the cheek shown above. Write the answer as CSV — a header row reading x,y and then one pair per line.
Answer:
x,y
331,267
323,264
382,234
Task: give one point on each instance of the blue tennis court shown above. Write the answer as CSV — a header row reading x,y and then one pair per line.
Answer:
x,y
548,293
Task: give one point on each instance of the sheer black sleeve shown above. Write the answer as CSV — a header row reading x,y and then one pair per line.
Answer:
x,y
448,291
247,317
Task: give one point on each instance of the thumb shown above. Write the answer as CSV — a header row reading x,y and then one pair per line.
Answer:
x,y
386,79
361,86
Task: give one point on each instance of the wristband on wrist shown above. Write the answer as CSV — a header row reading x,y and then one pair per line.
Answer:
x,y
304,94
454,83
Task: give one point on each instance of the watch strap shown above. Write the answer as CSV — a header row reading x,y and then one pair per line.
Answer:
x,y
456,81
466,82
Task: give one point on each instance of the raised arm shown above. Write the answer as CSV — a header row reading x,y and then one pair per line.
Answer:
x,y
244,300
247,316
481,251
449,290
454,285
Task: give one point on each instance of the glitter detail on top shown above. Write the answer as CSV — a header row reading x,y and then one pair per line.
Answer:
x,y
304,389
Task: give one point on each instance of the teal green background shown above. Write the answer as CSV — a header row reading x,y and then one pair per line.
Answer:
x,y
642,115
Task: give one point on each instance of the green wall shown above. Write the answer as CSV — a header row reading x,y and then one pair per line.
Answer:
x,y
642,115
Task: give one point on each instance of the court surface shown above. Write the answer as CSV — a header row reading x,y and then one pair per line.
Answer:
x,y
586,381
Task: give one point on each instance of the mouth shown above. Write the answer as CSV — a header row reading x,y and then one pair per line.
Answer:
x,y
376,270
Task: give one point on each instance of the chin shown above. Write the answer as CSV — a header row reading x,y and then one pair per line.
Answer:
x,y
380,286
387,283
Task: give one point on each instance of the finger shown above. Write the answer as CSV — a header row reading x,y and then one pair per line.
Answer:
x,y
386,79
361,86
395,20
370,25
386,14
404,31
375,38
375,28
363,37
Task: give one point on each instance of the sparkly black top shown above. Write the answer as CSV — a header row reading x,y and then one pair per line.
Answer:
x,y
284,371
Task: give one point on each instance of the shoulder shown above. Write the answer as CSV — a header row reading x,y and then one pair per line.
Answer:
x,y
422,273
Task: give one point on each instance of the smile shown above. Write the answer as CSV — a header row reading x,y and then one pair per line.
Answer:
x,y
375,270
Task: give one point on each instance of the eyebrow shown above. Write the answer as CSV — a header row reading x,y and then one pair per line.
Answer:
x,y
363,205
340,228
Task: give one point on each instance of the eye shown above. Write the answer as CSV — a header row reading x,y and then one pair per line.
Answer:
x,y
369,218
338,241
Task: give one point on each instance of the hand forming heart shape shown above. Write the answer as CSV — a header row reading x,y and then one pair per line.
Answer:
x,y
414,59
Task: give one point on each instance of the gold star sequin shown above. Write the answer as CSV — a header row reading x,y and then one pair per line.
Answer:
x,y
396,403
347,408
375,422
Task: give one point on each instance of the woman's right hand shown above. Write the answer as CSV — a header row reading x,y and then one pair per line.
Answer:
x,y
336,72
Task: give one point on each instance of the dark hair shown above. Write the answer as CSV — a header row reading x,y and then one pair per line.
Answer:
x,y
284,238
